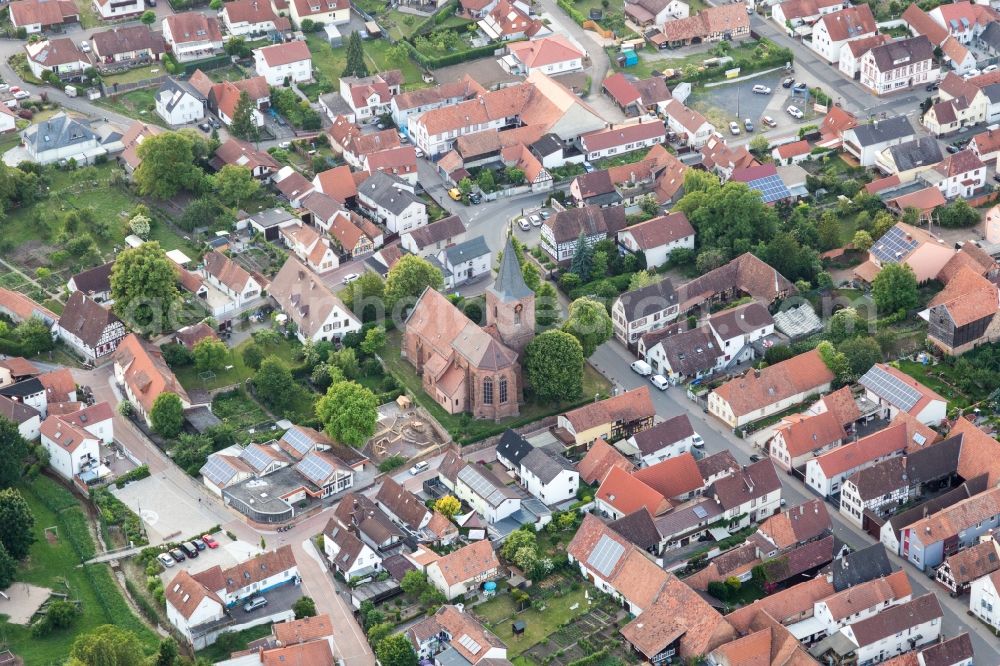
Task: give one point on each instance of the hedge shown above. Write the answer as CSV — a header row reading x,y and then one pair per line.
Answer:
x,y
437,18
451,59
573,12
214,62
140,472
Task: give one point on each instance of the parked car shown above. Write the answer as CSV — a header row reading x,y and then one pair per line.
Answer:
x,y
178,555
748,125
523,223
660,382
788,83
85,46
761,90
18,93
734,128
697,441
755,458
931,87
165,560
214,122
952,148
209,541
769,121
349,278
545,214
418,468
199,544
254,604
536,220
475,198
189,549
642,368
205,127
455,194
794,112
588,167
800,87
418,152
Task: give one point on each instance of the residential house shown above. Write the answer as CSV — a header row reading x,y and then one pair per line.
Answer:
x,y
350,556
962,315
908,160
414,103
962,104
452,634
143,374
793,13
866,142
959,571
269,222
785,530
409,512
25,417
899,65
72,450
59,56
37,15
827,472
964,20
894,391
370,96
691,127
359,514
281,63
127,44
400,162
543,472
487,494
598,462
90,329
252,17
890,532
984,599
427,241
646,13
922,251
311,305
986,145
792,153
223,97
760,393
711,24
190,605
178,103
852,52
192,36
310,247
352,233
464,570
392,202
560,232
465,262
928,541
862,601
750,494
611,419
292,185
832,31
623,139
136,133
507,21
799,438
115,10
326,12
648,308
240,153
722,160
667,439
231,279
655,239
552,55
61,138
959,175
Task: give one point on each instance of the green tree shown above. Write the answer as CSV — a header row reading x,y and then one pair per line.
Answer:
x,y
465,186
641,279
408,279
168,166
395,650
215,4
272,381
547,308
650,206
514,175
583,259
599,265
589,323
518,540
844,324
236,46
144,285
861,354
304,607
957,214
148,17
13,449
167,414
835,361
107,645
709,260
414,583
862,240
881,224
374,341
731,218
140,225
356,65
485,181
210,354
895,289
759,145
61,614
8,568
168,654
378,632
16,523
349,412
235,185
828,229
253,355
365,296
448,506
553,366
244,123
397,55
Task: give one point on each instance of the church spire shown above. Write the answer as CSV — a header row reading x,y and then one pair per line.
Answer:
x,y
509,285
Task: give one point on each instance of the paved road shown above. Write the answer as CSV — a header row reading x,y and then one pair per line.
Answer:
x,y
612,360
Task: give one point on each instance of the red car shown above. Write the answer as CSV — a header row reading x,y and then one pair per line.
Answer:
x,y
210,542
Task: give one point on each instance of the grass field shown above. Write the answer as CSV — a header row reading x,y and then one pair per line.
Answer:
x,y
233,642
54,565
139,104
936,378
190,379
538,625
138,74
88,15
465,429
331,61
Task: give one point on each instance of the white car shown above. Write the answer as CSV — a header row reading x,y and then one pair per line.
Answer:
x,y
349,278
769,121
697,441
418,468
85,46
19,94
536,220
734,128
523,223
642,368
989,68
660,382
794,112
165,560
418,152
761,90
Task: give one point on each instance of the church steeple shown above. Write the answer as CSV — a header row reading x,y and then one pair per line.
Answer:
x,y
510,304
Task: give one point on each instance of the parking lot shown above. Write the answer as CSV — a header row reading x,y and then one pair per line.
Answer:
x,y
169,513
229,553
737,101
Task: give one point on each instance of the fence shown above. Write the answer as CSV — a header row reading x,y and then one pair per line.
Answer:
x,y
120,88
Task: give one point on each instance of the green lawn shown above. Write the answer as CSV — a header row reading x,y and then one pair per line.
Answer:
x,y
190,378
229,643
400,25
137,74
466,429
330,62
88,15
139,104
538,624
54,565
928,375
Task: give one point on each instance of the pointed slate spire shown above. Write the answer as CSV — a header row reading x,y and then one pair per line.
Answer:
x,y
509,285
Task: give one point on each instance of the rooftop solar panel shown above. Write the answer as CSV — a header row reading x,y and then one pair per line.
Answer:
x,y
894,246
771,188
314,468
605,555
298,440
890,388
256,457
217,470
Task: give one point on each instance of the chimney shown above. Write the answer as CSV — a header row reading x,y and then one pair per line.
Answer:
x,y
756,373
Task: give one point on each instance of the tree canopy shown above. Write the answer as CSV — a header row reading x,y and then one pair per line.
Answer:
x,y
210,354
16,523
589,323
167,414
13,449
553,366
408,279
730,217
144,286
235,184
244,125
168,166
349,412
895,289
107,645
356,65
272,381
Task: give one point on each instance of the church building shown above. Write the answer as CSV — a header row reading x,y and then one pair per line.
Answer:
x,y
470,368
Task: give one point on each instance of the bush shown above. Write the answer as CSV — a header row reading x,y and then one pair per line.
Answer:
x,y
391,463
136,474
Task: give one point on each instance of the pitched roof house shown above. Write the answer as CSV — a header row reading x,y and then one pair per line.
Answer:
x,y
316,311
141,370
90,329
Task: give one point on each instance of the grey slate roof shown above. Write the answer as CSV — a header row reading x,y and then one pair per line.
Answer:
x,y
992,91
510,285
902,52
639,528
991,36
546,464
861,566
923,151
513,447
442,230
389,192
934,462
59,131
649,299
889,129
272,217
175,90
663,434
467,251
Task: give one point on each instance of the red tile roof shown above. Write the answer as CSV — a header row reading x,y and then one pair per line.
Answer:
x,y
756,390
277,55
627,494
600,460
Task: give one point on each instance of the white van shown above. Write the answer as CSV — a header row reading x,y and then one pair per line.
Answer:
x,y
642,368
70,90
